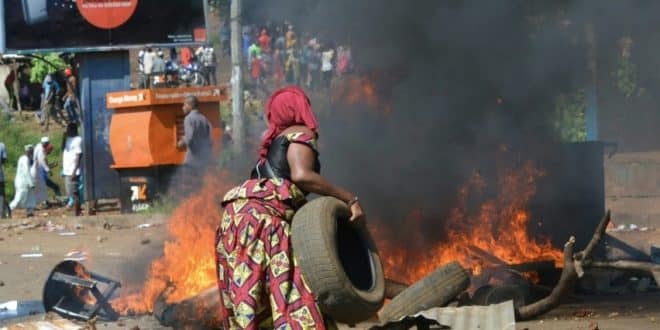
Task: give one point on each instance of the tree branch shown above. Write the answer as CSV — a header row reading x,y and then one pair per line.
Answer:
x,y
566,283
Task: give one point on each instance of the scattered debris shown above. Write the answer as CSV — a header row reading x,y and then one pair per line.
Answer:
x,y
574,265
630,227
73,292
176,315
76,256
101,239
11,305
2,283
409,322
145,241
497,316
50,226
58,324
68,234
144,226
583,313
32,255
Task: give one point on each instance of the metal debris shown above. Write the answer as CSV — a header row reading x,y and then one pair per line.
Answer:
x,y
499,316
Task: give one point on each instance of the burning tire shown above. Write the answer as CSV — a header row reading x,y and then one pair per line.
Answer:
x,y
340,263
435,290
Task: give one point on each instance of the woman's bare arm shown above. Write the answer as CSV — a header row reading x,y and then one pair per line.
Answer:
x,y
301,162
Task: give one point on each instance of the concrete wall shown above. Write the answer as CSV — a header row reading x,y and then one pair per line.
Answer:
x,y
632,188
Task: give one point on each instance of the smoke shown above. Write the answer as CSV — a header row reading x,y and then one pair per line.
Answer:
x,y
472,86
448,64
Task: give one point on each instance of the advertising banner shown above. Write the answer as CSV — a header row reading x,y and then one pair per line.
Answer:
x,y
79,25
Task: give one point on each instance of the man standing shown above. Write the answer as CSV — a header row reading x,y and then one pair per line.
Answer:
x,y
3,160
186,57
71,153
158,69
142,83
24,196
196,140
71,98
149,57
49,101
39,171
206,54
196,135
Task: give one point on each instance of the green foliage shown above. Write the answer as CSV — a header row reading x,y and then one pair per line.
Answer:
x,y
40,68
626,76
225,112
162,205
569,120
15,134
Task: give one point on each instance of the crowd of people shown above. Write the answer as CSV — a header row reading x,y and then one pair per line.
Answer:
x,y
59,104
278,54
181,67
34,172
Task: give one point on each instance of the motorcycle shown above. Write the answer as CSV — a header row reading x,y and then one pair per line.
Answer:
x,y
191,75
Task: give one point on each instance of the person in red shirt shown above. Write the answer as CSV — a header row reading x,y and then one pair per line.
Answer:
x,y
256,70
186,56
264,41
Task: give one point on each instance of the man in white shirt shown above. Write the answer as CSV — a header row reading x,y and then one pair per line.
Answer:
x,y
40,165
149,57
71,153
24,197
326,66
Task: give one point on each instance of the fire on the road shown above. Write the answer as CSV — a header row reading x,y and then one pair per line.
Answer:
x,y
500,227
188,263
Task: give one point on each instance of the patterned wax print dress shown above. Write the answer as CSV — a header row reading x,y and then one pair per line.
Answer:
x,y
260,283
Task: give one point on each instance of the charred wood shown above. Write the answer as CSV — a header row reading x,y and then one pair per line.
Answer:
x,y
485,256
573,268
640,266
198,312
564,286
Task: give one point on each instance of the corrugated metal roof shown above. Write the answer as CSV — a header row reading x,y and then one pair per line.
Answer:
x,y
492,317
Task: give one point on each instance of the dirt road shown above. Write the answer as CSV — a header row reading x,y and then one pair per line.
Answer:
x,y
125,249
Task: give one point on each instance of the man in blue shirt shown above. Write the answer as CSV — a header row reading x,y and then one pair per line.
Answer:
x,y
49,100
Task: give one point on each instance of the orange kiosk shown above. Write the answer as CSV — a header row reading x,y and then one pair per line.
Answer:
x,y
144,129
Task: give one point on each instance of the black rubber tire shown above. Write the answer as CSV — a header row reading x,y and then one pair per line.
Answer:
x,y
316,228
435,290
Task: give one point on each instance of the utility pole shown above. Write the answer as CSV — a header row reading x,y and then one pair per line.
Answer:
x,y
591,112
238,123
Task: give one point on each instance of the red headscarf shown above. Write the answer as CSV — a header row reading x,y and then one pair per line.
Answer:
x,y
287,107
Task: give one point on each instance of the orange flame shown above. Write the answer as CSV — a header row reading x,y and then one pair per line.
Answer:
x,y
496,233
499,229
359,90
84,294
188,264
